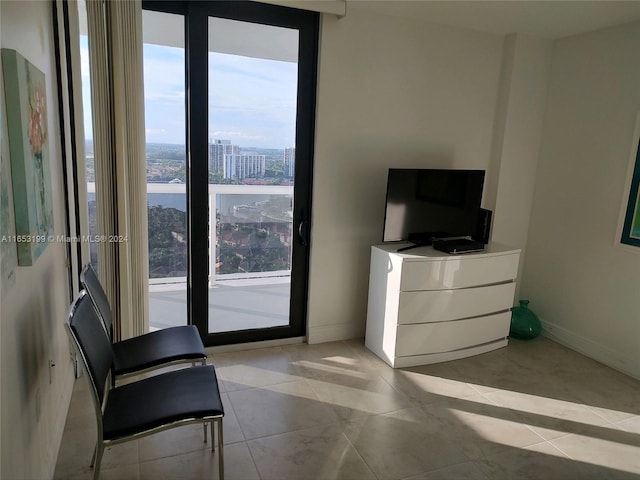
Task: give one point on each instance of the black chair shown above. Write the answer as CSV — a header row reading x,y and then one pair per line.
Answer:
x,y
152,350
144,407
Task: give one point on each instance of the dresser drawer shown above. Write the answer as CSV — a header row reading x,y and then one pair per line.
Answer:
x,y
448,336
444,305
458,272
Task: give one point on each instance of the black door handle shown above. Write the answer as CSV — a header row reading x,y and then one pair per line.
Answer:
x,y
302,233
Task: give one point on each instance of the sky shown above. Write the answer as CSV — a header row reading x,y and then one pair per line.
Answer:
x,y
252,101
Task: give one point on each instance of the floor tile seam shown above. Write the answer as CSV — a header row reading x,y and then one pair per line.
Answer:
x,y
493,456
298,379
578,405
255,464
391,412
555,439
560,434
594,410
522,415
618,422
355,449
179,454
190,450
615,427
340,424
483,391
605,420
519,422
340,421
556,447
270,386
336,410
468,459
475,461
491,403
389,384
464,454
446,398
442,399
318,377
235,414
129,444
535,433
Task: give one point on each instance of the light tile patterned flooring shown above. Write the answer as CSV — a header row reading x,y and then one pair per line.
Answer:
x,y
532,410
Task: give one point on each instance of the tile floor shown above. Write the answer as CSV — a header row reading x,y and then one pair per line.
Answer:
x,y
532,410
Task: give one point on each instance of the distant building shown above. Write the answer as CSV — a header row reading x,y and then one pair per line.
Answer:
x,y
289,161
245,165
217,151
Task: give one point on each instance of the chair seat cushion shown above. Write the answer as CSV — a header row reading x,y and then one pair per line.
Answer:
x,y
156,348
188,393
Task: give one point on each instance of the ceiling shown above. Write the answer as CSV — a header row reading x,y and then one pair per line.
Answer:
x,y
544,18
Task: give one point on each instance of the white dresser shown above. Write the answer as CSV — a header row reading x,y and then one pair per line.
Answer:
x,y
427,306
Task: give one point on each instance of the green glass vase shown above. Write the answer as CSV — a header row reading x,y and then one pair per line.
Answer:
x,y
524,323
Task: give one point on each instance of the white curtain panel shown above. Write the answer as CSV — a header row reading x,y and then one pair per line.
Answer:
x,y
117,93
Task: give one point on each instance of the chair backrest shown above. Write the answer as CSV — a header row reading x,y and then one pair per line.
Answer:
x,y
87,332
92,285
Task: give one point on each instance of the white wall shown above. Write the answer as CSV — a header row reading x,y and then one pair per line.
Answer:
x,y
34,405
391,92
526,64
583,286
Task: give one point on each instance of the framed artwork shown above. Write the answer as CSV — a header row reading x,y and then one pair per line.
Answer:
x,y
8,253
26,106
631,225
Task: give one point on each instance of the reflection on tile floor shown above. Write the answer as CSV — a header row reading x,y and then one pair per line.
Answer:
x,y
532,410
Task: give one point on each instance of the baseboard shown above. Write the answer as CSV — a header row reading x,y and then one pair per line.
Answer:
x,y
334,333
591,349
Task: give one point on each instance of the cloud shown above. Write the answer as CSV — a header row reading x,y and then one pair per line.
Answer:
x,y
252,101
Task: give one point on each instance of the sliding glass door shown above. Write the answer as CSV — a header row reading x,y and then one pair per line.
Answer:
x,y
166,163
250,90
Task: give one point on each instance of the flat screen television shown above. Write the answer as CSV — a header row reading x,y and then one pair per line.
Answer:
x,y
423,204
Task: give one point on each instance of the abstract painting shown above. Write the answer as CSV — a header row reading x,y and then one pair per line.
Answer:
x,y
24,91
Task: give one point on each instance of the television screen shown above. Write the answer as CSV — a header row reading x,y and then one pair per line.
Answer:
x,y
425,203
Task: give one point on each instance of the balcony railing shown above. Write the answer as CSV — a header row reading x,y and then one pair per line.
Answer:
x,y
242,219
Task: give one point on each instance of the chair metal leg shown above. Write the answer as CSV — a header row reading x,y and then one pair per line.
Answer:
x,y
98,460
93,457
204,425
220,448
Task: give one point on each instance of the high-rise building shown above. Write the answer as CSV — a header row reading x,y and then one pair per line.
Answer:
x,y
217,150
244,165
289,161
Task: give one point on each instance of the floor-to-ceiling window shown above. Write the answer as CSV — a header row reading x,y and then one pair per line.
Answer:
x,y
229,206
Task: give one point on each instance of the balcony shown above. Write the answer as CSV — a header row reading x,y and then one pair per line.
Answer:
x,y
235,303
249,270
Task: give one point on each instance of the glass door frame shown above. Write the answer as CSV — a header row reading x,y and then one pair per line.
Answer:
x,y
196,16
